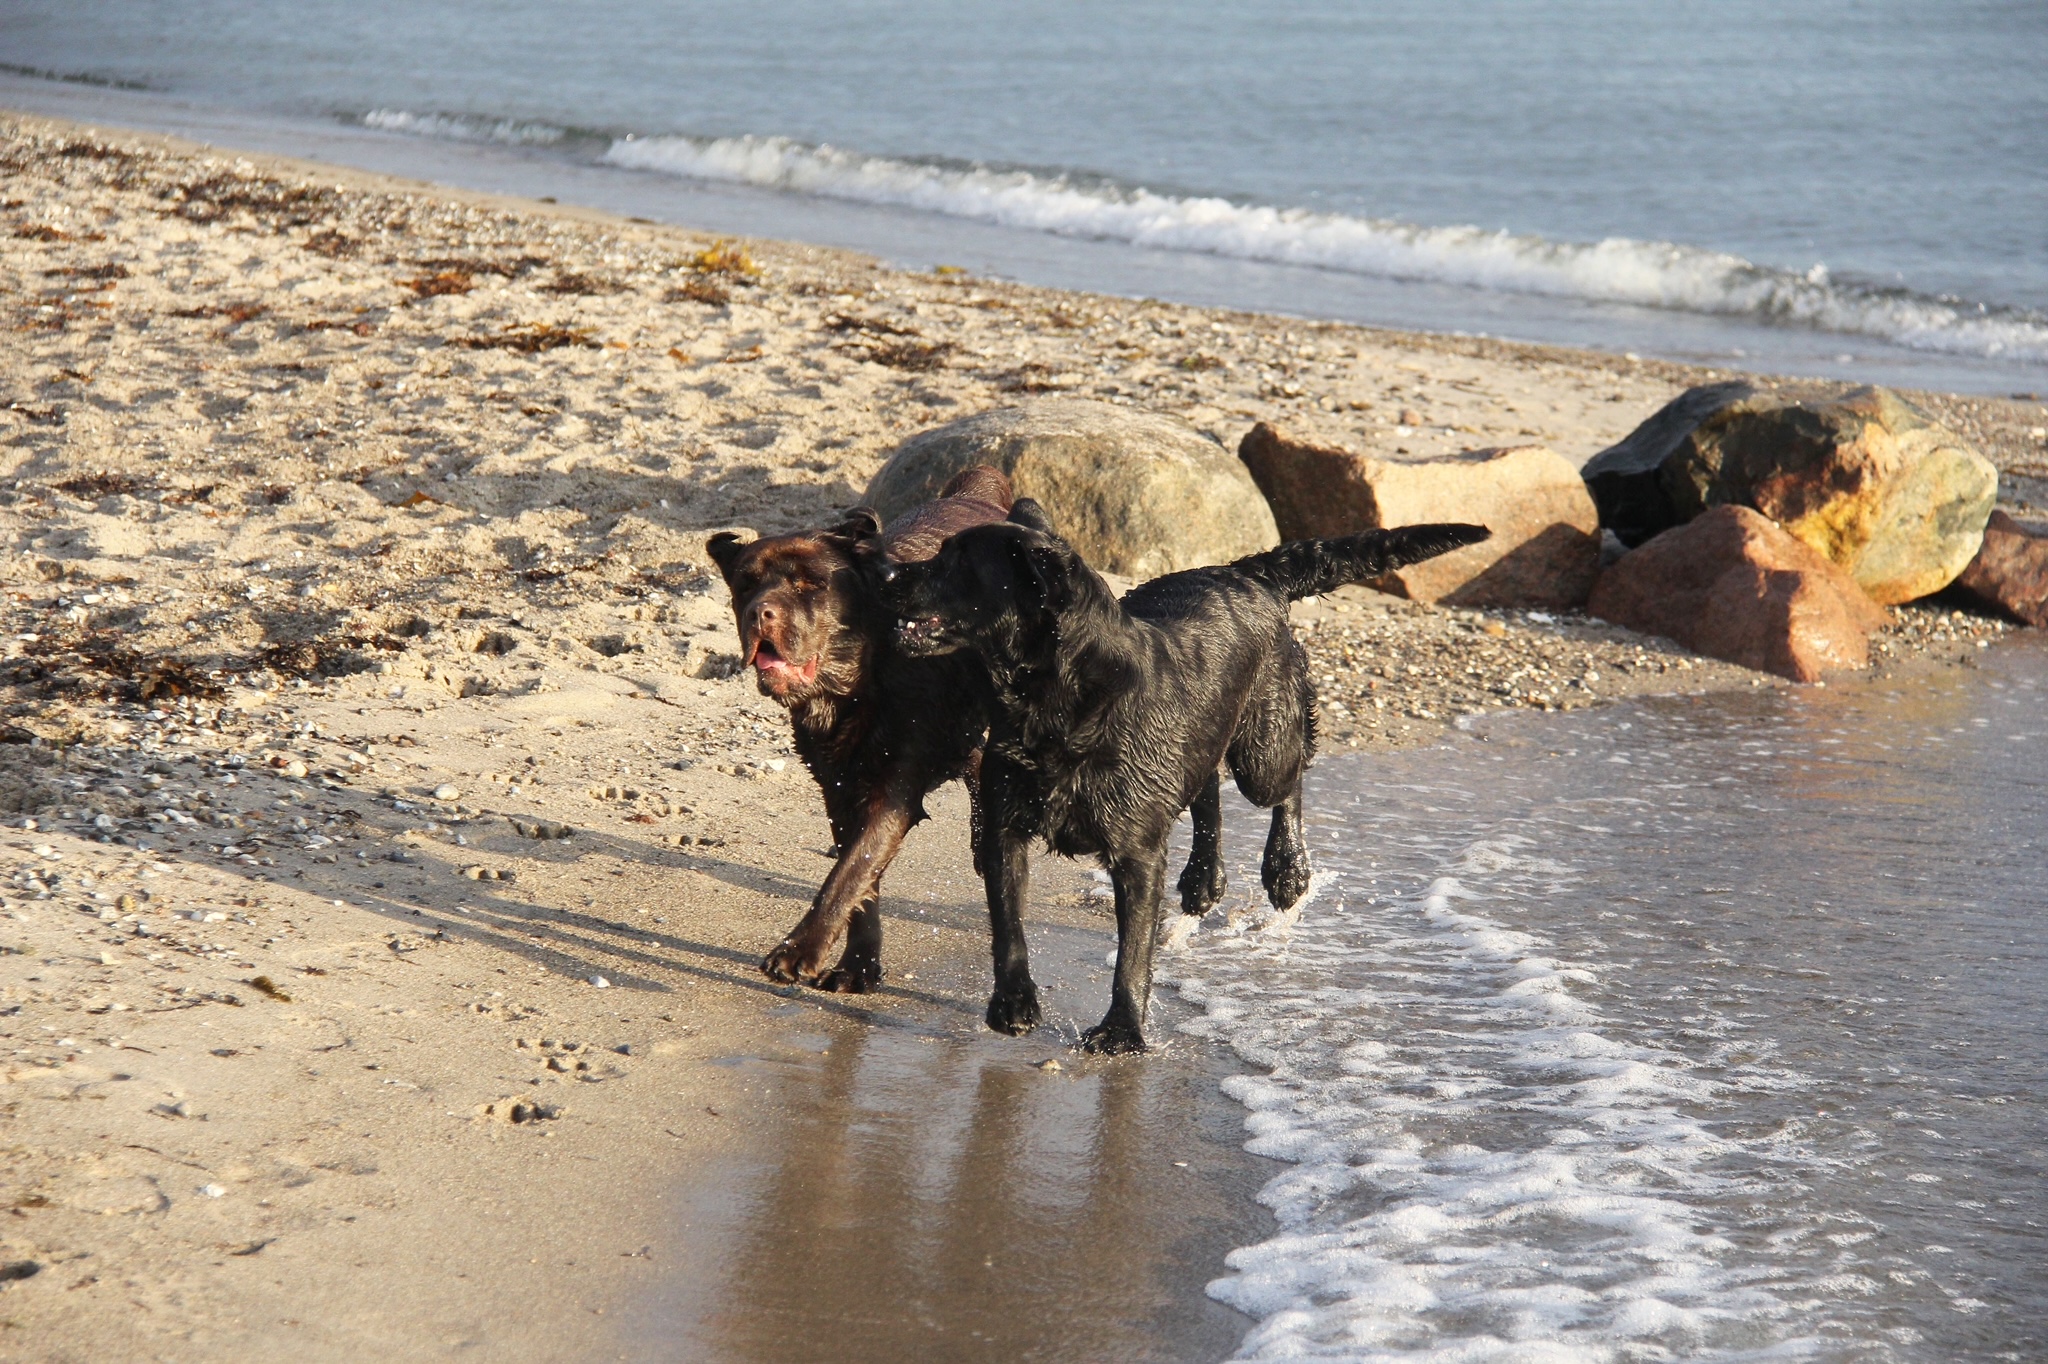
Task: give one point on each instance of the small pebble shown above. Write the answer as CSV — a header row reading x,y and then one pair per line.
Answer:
x,y
600,982
213,1190
1050,1064
447,791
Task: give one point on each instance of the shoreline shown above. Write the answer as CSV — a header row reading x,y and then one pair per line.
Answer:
x,y
1081,263
356,535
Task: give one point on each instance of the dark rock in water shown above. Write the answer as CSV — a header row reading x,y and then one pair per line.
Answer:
x,y
1545,548
1730,584
1863,478
1135,492
2011,571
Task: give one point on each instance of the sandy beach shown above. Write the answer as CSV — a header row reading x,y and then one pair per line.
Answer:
x,y
390,843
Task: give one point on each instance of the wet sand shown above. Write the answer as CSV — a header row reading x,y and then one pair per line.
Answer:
x,y
924,1190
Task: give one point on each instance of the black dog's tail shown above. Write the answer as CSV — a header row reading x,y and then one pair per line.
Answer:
x,y
1308,568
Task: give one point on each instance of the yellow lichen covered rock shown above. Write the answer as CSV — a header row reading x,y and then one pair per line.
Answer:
x,y
1863,477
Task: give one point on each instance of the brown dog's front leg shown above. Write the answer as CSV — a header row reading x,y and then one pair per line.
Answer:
x,y
846,903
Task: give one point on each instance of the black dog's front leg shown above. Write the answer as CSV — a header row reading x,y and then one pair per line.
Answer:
x,y
1138,881
1006,876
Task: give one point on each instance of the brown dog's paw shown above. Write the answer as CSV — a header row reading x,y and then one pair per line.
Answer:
x,y
791,962
862,979
1113,1037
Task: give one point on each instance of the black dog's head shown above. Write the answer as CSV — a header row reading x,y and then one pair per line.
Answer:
x,y
993,586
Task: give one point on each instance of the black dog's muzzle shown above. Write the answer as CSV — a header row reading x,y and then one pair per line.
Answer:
x,y
895,586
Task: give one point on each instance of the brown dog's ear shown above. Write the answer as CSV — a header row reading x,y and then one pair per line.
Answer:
x,y
1025,511
861,523
723,548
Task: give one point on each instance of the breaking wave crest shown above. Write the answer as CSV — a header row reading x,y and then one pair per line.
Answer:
x,y
1618,270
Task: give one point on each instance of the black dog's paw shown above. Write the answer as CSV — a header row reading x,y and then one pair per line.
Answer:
x,y
1287,881
1113,1037
1201,887
1015,1013
1288,890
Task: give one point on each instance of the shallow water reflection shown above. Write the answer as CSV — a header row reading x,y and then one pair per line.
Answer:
x,y
934,1195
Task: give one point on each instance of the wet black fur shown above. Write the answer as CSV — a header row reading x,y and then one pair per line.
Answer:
x,y
1112,717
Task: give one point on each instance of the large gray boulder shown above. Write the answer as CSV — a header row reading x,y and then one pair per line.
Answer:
x,y
1135,492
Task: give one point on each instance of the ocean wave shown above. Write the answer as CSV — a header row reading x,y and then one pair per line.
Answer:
x,y
464,128
1617,270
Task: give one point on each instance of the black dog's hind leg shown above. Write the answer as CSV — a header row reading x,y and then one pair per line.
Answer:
x,y
1285,868
1006,876
1202,881
1138,882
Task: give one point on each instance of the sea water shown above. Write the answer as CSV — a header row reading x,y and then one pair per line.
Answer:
x,y
1692,1028
1851,187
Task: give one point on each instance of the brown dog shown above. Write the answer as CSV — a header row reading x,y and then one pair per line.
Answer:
x,y
876,728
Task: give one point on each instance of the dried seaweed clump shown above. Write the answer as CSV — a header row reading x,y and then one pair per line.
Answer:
x,y
271,202
441,282
699,291
93,487
531,338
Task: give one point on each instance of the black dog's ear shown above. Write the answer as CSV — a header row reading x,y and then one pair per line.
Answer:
x,y
723,548
860,523
1050,568
1025,511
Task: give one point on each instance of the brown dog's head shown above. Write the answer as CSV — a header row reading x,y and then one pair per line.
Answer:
x,y
798,606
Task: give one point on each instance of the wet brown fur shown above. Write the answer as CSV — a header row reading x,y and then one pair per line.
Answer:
x,y
877,729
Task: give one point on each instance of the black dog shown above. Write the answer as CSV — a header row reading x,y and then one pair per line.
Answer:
x,y
1111,718
877,730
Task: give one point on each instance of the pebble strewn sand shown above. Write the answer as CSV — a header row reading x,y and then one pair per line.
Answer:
x,y
354,554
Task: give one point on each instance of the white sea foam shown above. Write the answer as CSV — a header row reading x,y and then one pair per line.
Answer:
x,y
1482,1168
1618,270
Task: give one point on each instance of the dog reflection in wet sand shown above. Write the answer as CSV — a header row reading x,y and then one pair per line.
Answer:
x,y
1111,717
879,729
